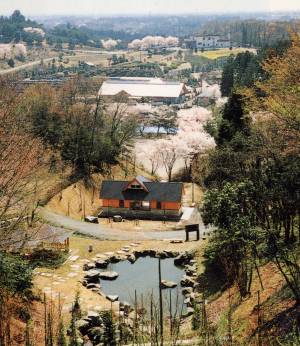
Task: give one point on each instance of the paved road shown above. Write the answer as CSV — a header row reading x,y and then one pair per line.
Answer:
x,y
107,232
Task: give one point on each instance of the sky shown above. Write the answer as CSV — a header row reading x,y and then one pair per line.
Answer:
x,y
125,7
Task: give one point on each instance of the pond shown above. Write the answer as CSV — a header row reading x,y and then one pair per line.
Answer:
x,y
142,276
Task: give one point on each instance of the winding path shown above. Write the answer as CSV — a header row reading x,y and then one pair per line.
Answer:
x,y
110,233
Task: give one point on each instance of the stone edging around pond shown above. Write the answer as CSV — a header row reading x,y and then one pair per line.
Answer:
x,y
184,259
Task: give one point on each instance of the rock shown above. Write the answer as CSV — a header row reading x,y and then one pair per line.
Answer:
x,y
109,254
112,298
100,263
88,266
172,254
187,281
189,312
168,284
92,276
93,285
108,275
121,252
187,301
115,259
82,326
183,258
94,318
191,270
161,254
187,291
132,258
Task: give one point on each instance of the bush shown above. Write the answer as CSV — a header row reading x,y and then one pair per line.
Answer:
x,y
16,274
47,258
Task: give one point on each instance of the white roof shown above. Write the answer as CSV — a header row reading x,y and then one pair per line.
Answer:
x,y
141,87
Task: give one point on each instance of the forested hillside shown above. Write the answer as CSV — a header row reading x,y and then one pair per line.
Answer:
x,y
252,181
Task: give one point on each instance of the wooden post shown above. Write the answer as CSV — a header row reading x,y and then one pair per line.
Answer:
x,y
160,305
187,235
198,234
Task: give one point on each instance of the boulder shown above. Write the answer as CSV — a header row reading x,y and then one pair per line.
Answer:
x,y
161,254
187,291
183,258
132,258
93,285
168,284
82,326
187,281
189,312
108,275
88,266
112,298
100,263
94,318
92,276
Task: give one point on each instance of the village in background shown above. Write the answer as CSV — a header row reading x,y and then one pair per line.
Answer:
x,y
149,180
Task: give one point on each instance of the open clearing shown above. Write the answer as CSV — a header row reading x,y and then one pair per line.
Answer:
x,y
218,53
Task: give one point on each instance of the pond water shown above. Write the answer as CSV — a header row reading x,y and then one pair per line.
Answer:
x,y
142,276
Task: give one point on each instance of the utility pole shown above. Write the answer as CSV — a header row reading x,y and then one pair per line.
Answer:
x,y
160,305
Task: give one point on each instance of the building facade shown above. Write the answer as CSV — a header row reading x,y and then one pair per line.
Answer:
x,y
141,198
207,42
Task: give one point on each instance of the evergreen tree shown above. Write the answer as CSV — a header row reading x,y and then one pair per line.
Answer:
x,y
227,81
11,62
233,119
109,335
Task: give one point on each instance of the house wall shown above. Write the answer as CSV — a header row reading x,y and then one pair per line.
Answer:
x,y
114,203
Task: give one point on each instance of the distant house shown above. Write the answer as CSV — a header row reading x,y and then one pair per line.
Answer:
x,y
208,42
141,198
153,89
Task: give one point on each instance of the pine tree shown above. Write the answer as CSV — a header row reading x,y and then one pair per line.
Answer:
x,y
109,335
227,81
73,340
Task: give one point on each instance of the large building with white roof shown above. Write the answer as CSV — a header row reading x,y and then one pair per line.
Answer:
x,y
153,89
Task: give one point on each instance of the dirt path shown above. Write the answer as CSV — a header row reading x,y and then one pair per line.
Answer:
x,y
108,232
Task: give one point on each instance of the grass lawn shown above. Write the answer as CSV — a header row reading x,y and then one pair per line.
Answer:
x,y
218,53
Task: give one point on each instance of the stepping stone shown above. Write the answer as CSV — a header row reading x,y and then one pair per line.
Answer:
x,y
176,241
112,298
100,263
56,283
73,258
109,253
125,249
121,252
168,284
75,266
84,260
108,275
100,255
48,275
72,275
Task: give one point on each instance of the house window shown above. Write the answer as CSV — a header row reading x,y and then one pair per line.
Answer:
x,y
158,205
121,203
135,186
146,205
